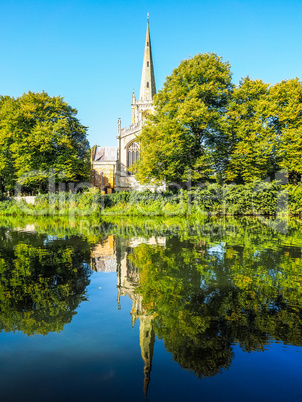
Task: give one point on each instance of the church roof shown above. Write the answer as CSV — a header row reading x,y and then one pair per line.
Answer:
x,y
148,88
105,154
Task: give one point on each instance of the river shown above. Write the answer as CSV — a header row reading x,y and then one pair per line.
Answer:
x,y
168,310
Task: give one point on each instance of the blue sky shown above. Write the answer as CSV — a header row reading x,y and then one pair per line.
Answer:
x,y
91,52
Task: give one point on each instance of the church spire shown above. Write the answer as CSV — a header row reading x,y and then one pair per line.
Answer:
x,y
148,89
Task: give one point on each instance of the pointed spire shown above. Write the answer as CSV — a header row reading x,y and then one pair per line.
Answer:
x,y
148,89
133,97
134,108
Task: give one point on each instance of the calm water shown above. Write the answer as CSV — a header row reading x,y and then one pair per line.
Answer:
x,y
168,311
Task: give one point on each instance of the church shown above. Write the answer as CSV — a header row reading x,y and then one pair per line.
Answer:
x,y
111,166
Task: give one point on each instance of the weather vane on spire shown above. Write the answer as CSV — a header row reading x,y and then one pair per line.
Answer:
x,y
148,17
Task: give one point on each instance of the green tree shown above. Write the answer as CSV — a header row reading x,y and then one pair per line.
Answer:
x,y
8,114
185,132
252,139
265,129
39,133
204,127
285,104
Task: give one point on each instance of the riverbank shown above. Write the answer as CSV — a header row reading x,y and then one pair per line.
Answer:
x,y
259,198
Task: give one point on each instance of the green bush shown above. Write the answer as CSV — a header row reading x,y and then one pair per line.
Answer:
x,y
258,198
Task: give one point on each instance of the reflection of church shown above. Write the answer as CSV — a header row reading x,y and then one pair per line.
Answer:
x,y
103,256
111,166
117,251
127,281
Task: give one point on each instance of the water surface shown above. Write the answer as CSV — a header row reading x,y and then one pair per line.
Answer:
x,y
153,310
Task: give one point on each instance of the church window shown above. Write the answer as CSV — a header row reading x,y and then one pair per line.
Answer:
x,y
147,84
147,43
132,154
147,64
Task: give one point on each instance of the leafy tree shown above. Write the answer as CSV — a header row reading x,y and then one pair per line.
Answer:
x,y
285,105
39,133
184,134
7,115
265,129
203,127
252,140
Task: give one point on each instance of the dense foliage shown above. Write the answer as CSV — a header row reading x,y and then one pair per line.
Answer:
x,y
184,133
40,136
206,128
264,126
257,198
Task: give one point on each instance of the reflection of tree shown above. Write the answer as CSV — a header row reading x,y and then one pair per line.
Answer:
x,y
183,314
204,299
42,282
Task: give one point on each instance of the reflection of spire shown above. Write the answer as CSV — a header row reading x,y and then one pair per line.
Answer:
x,y
118,299
128,280
133,321
146,341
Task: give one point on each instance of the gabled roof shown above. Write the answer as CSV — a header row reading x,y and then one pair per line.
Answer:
x,y
105,154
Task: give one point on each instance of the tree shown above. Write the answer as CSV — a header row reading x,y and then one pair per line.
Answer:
x,y
285,101
39,133
251,138
7,113
204,127
183,135
265,128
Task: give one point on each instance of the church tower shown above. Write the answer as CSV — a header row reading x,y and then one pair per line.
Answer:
x,y
128,148
148,87
112,167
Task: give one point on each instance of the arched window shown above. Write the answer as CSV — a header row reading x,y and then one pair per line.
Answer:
x,y
147,64
132,154
147,84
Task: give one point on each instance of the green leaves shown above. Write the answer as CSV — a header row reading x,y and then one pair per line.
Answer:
x,y
187,114
215,130
264,125
38,133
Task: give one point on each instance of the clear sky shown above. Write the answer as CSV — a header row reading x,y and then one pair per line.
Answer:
x,y
91,51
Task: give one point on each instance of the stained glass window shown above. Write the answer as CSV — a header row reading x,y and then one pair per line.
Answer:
x,y
132,154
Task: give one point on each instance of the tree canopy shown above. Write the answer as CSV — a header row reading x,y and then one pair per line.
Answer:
x,y
184,132
264,126
38,133
206,128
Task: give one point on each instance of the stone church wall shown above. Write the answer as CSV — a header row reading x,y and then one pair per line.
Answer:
x,y
104,176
